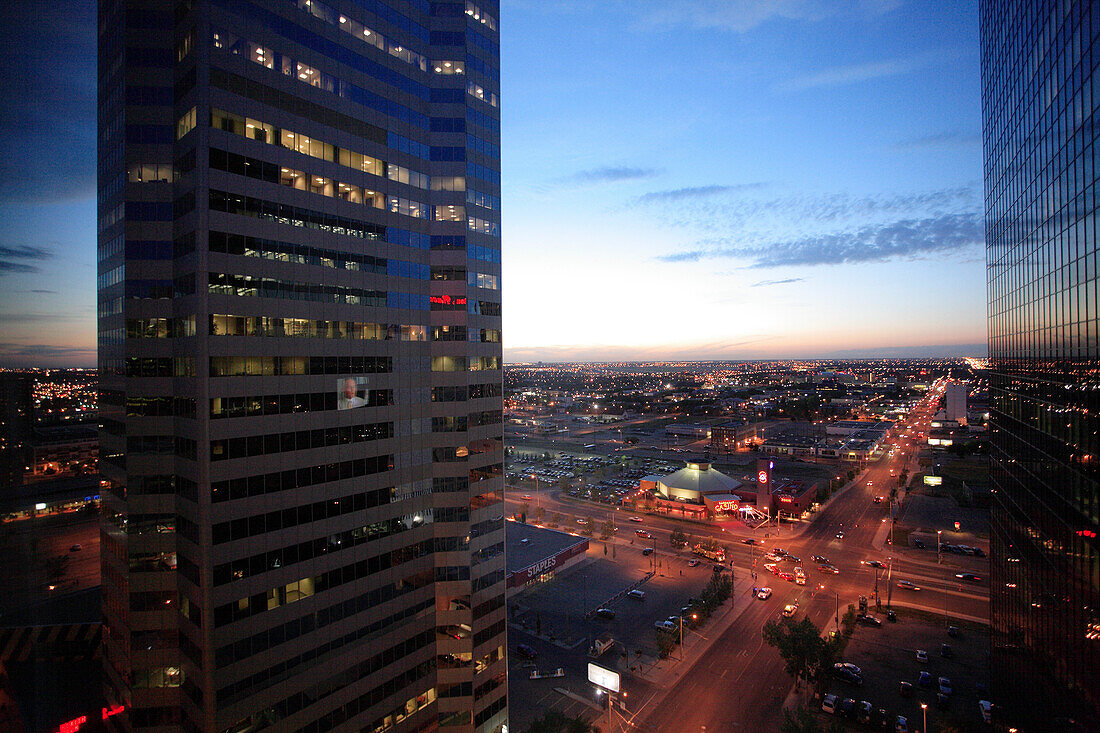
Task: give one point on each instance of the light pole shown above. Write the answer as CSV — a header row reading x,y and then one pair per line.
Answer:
x,y
924,716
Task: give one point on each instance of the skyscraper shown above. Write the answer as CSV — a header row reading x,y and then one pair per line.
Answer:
x,y
1039,96
300,360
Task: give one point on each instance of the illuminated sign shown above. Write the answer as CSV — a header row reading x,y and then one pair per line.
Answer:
x,y
604,678
727,505
72,726
541,566
933,480
446,300
786,499
113,711
762,477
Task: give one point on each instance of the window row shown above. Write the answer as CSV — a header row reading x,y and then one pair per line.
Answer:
x,y
239,529
300,478
299,254
231,203
269,326
160,327
268,366
289,403
227,449
250,286
356,29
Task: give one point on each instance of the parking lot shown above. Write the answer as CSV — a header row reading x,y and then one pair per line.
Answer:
x,y
887,655
551,618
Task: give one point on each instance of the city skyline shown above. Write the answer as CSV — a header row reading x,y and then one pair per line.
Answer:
x,y
809,135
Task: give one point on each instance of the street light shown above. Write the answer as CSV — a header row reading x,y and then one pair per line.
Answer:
x,y
924,716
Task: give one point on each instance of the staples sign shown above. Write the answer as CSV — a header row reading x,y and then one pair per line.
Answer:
x,y
541,567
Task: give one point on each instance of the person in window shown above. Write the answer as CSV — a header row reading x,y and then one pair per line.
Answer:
x,y
349,398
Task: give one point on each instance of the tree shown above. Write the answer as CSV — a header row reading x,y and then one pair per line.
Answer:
x,y
799,720
717,591
554,722
607,529
800,645
540,513
589,524
523,509
555,520
678,539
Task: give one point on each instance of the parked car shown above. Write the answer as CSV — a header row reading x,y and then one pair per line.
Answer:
x,y
848,676
847,705
605,613
945,651
919,544
647,551
922,656
986,709
882,719
664,625
892,616
868,620
638,595
905,689
925,679
901,724
864,713
522,650
952,631
828,705
76,548
945,686
821,559
848,666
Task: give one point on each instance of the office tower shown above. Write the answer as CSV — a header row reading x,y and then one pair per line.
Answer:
x,y
1039,95
16,427
955,402
300,358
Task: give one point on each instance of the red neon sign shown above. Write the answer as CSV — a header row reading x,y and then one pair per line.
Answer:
x,y
113,711
786,499
446,300
72,726
725,506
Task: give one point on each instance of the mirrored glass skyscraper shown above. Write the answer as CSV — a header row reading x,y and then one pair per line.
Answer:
x,y
300,360
1040,93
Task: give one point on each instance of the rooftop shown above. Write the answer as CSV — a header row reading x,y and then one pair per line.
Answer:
x,y
540,544
701,478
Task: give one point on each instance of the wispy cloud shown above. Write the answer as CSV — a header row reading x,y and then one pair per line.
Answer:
x,y
613,174
741,16
900,239
694,192
787,281
13,354
21,259
939,140
854,73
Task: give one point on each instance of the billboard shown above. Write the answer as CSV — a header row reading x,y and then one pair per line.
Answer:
x,y
351,392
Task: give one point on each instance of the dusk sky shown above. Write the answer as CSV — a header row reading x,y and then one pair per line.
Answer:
x,y
693,179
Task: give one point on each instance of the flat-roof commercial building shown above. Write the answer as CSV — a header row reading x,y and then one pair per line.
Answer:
x,y
300,365
536,554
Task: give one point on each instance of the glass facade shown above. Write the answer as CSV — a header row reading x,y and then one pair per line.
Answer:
x,y
1040,94
298,209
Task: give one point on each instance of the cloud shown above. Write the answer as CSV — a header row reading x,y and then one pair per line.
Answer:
x,y
614,174
694,192
939,140
899,239
741,16
765,283
21,259
853,73
48,109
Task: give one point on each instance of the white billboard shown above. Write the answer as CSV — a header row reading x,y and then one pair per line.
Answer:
x,y
604,678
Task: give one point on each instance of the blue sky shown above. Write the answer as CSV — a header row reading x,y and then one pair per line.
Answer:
x,y
689,179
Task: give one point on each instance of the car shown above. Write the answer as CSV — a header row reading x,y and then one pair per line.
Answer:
x,y
863,713
526,497
848,666
908,585
793,558
789,577
693,563
748,541
925,679
873,563
870,483
764,593
605,613
525,541
919,544
922,656
821,559
877,500
790,609
673,620
978,552
971,577
647,551
76,548
901,724
779,551
638,595
891,616
945,651
945,685
985,706
848,676
582,522
840,535
636,519
868,620
905,689
772,558
829,704
800,580
522,650
718,568
846,707
952,631
664,625
828,569
643,534
882,719
771,568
